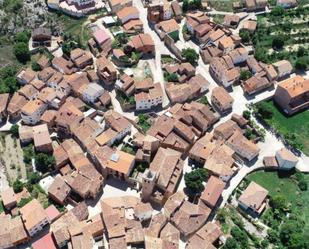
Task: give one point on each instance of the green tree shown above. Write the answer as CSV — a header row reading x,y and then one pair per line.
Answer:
x,y
278,202
14,130
185,5
17,186
264,111
171,77
278,42
244,35
302,63
194,180
302,184
231,243
246,114
240,236
34,177
278,11
21,51
22,37
35,66
44,162
190,55
245,74
288,231
301,51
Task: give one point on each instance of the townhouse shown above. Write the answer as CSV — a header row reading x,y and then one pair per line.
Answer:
x,y
32,111
221,100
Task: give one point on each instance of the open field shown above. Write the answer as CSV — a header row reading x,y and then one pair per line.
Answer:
x,y
287,187
297,124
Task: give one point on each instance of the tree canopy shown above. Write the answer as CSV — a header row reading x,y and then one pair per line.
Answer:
x,y
190,55
44,162
194,180
21,51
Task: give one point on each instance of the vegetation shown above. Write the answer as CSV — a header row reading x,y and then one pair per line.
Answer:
x,y
141,166
14,130
194,180
294,129
124,99
143,122
21,51
8,83
24,201
17,186
171,77
44,162
246,114
204,100
191,5
286,197
128,149
1,207
190,55
245,74
280,34
245,35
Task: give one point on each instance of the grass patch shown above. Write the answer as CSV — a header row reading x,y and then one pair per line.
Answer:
x,y
297,124
226,5
128,150
286,187
143,122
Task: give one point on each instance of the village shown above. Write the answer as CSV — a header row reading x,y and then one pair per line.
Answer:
x,y
154,134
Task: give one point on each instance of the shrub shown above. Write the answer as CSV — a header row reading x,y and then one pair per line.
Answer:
x,y
264,111
190,55
44,162
17,186
21,51
246,114
14,130
302,184
278,42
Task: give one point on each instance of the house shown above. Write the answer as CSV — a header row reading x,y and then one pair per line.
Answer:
x,y
34,221
253,199
127,13
231,21
63,65
163,176
133,26
223,71
286,159
256,83
81,58
106,71
126,84
169,27
292,94
8,198
189,217
32,111
41,138
118,123
28,91
12,232
210,52
209,236
142,43
212,192
255,5
4,100
103,40
242,146
117,5
41,37
43,62
59,190
65,117
249,25
222,100
159,11
143,211
15,105
52,213
283,68
92,92
25,76
253,65
46,242
177,10
225,130
287,3
46,73
150,98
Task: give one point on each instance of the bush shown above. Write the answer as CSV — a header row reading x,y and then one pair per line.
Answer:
x,y
244,75
264,111
17,186
302,184
278,42
231,243
21,51
194,180
22,37
244,35
204,100
302,63
190,55
246,114
34,177
44,162
14,130
35,66
171,77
